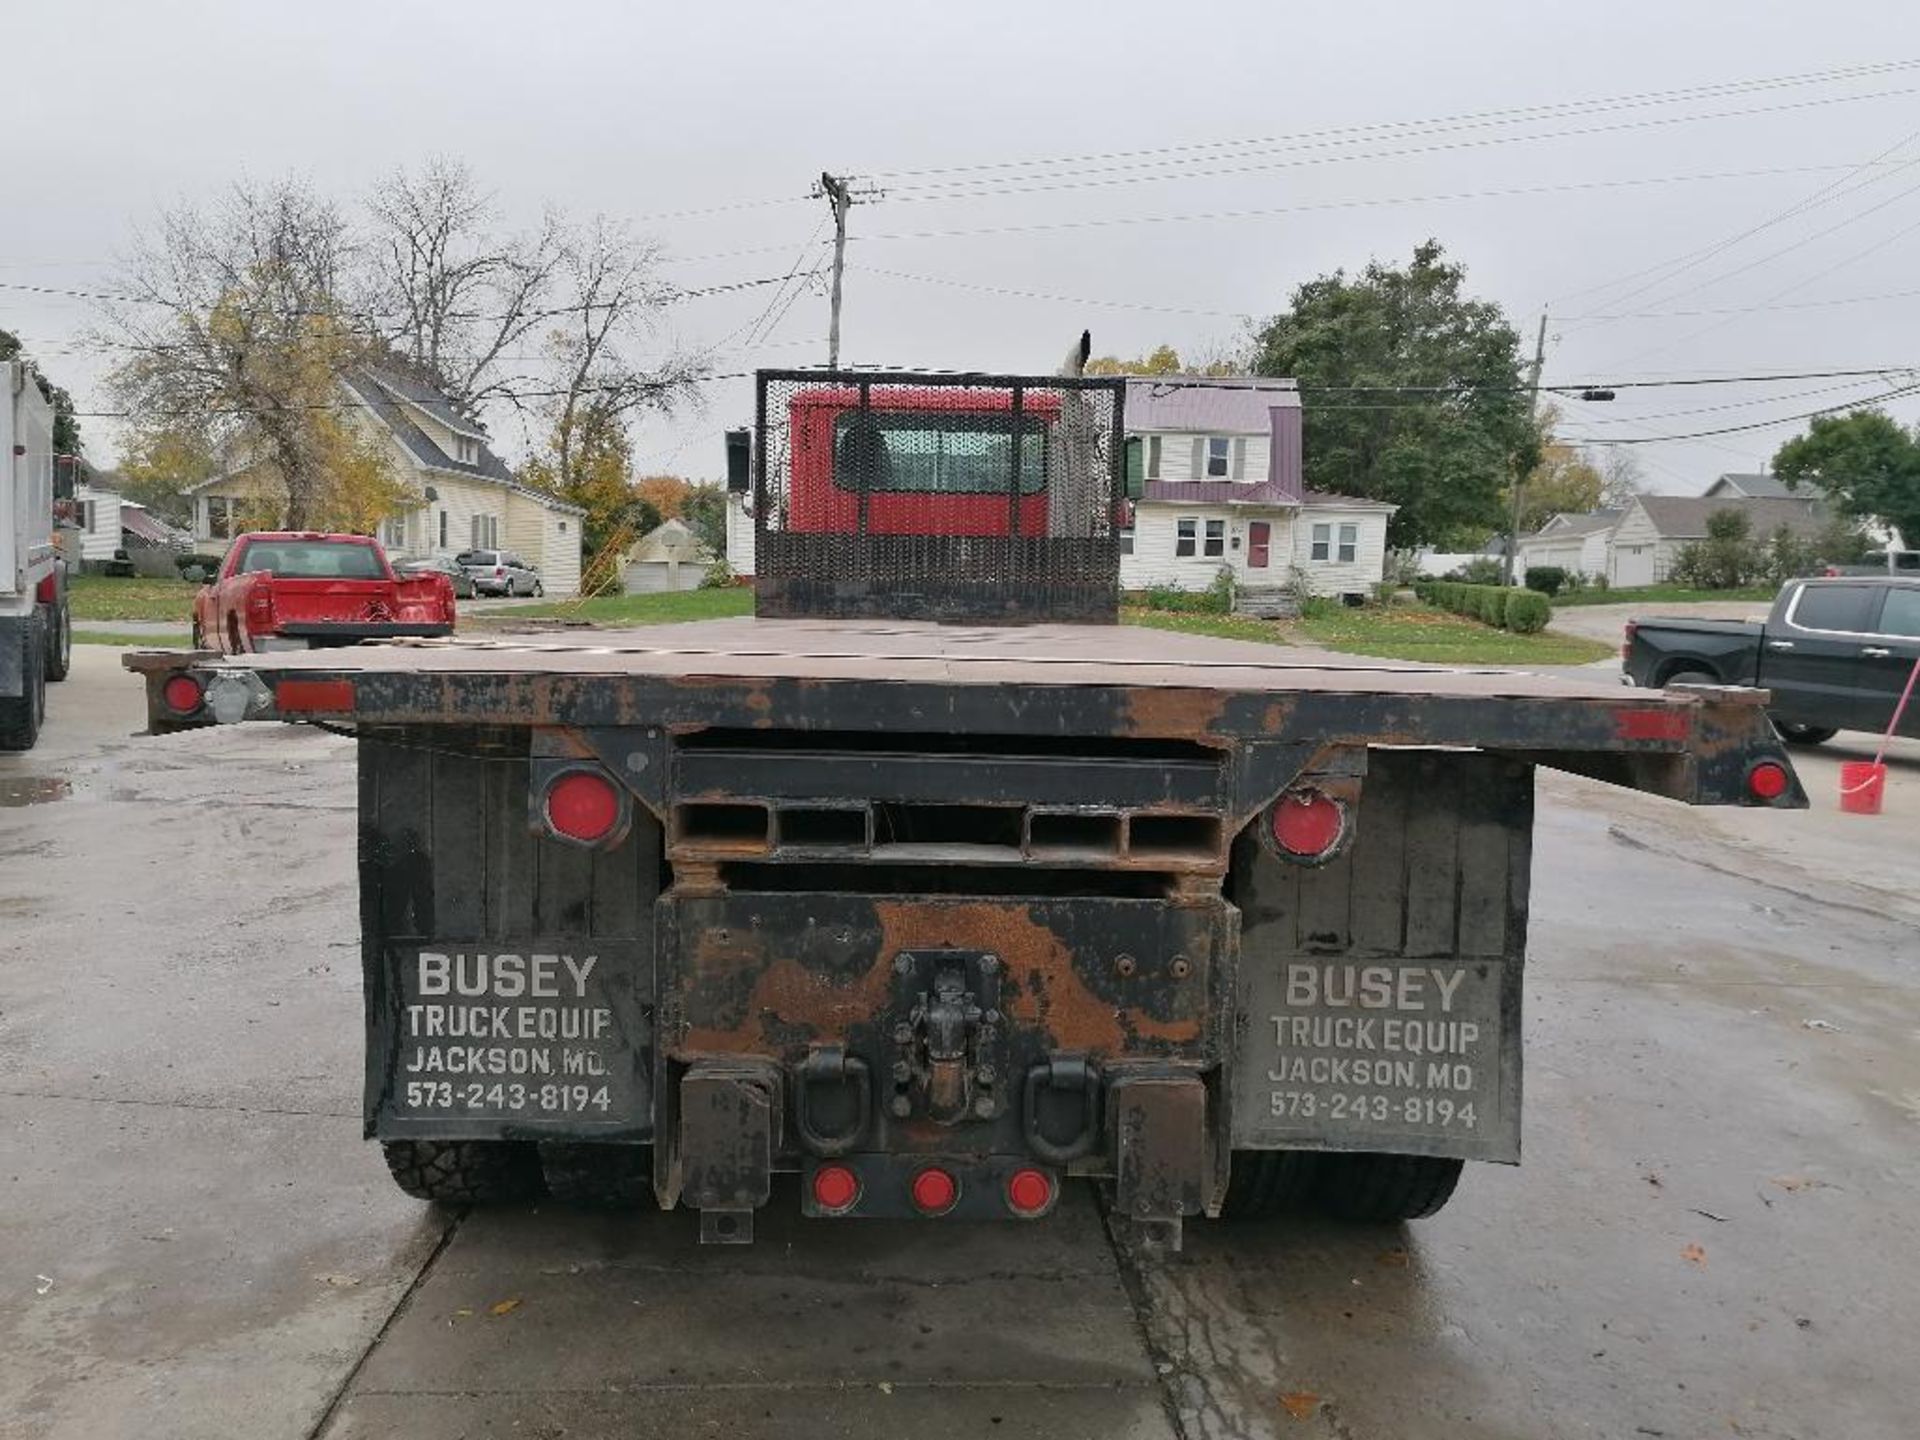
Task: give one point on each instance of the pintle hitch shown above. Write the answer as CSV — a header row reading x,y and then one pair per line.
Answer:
x,y
948,1046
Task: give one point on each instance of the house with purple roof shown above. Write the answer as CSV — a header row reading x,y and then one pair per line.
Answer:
x,y
1225,489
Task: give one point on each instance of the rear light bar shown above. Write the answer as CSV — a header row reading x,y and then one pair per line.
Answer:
x,y
1768,780
1627,632
183,695
583,805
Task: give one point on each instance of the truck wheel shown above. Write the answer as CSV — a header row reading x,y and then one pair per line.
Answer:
x,y
603,1177
1692,675
1265,1184
1804,734
464,1172
20,715
60,643
1380,1189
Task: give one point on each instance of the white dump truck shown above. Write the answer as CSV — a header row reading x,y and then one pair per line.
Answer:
x,y
36,633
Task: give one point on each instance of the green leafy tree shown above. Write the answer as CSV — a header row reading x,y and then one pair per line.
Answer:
x,y
1412,394
704,510
1562,482
1865,461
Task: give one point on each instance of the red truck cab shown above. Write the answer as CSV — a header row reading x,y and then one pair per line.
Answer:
x,y
304,589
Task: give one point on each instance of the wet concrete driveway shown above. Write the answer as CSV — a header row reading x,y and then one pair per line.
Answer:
x,y
1713,1233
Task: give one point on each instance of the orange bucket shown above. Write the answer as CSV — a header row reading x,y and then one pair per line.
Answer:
x,y
1862,785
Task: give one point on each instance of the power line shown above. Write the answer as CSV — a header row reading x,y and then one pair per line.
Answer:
x,y
1099,181
1378,202
1745,309
1885,395
1508,115
1040,295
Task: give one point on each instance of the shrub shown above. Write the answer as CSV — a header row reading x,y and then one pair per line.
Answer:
x,y
1547,579
1493,604
1528,612
1481,570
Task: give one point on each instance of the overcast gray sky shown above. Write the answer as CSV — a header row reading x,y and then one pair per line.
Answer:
x,y
643,111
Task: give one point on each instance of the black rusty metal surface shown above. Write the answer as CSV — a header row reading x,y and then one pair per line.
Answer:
x,y
1162,1144
781,975
937,497
1359,979
1053,682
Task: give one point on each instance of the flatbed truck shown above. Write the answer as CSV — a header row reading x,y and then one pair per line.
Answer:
x,y
36,631
904,888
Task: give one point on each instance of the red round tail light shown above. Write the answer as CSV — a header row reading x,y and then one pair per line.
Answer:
x,y
182,694
1768,780
583,805
1029,1192
934,1191
1307,824
835,1188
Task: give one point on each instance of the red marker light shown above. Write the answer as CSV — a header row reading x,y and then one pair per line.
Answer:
x,y
1307,824
1029,1192
835,1188
1768,780
934,1191
182,694
583,806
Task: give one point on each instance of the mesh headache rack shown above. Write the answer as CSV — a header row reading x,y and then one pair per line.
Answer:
x,y
995,498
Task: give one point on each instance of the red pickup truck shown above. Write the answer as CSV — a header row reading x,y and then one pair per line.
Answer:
x,y
299,590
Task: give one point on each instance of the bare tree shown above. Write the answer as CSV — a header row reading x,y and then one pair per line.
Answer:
x,y
1621,477
453,296
613,300
235,335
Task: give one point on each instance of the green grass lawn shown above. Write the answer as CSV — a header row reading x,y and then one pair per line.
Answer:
x,y
1416,632
1227,627
1659,594
622,609
134,642
103,597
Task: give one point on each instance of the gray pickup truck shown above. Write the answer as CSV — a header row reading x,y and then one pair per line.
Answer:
x,y
1835,653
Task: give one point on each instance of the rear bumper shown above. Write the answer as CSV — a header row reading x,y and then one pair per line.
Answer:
x,y
320,633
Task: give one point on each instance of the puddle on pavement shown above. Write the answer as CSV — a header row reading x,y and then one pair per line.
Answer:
x,y
17,790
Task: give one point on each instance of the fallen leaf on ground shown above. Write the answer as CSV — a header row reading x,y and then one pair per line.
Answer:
x,y
1300,1404
1396,1258
504,1307
1695,1255
339,1282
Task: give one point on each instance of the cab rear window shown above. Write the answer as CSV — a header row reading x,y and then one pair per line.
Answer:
x,y
313,560
1834,607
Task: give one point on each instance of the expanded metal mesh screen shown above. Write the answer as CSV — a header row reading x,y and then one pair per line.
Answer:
x,y
938,497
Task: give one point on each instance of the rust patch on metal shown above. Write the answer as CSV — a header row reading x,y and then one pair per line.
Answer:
x,y
1168,711
1043,989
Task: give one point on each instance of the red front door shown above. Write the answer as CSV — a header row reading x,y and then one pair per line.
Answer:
x,y
1259,536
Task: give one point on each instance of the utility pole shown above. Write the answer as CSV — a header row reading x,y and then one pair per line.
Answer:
x,y
839,193
1533,410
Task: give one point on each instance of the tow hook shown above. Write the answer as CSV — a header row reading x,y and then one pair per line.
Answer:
x,y
1076,1081
830,1069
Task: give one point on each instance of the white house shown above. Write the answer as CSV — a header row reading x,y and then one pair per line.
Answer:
x,y
1577,544
97,508
1656,528
1225,488
464,496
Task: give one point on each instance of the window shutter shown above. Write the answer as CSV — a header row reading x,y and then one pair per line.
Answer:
x,y
1240,457
1199,470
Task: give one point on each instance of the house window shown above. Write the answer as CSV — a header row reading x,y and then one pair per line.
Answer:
x,y
486,532
467,450
1126,541
1349,543
1216,537
563,527
443,529
1219,457
393,534
1322,541
1186,530
1153,457
90,517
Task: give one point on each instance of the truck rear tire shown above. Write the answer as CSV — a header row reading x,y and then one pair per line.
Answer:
x,y
1382,1189
1691,675
20,715
1803,734
1266,1184
601,1177
60,643
464,1172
